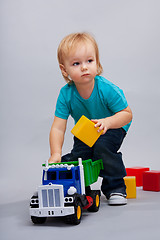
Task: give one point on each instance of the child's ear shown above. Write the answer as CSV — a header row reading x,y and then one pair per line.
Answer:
x,y
63,70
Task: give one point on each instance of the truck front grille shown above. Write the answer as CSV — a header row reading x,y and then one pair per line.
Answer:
x,y
51,197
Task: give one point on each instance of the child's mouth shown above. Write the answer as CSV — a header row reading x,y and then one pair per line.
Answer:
x,y
85,75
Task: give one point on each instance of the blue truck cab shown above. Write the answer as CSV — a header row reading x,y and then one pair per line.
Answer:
x,y
68,176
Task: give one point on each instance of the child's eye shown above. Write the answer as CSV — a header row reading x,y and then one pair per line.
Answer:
x,y
90,60
75,63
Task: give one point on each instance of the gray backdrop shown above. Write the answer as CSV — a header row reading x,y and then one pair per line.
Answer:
x,y
128,34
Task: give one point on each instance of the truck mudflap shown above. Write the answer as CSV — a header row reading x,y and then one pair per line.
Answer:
x,y
52,212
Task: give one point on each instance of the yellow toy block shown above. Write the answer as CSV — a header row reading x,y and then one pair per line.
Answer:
x,y
85,131
130,183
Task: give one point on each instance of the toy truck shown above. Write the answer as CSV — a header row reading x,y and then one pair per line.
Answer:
x,y
66,191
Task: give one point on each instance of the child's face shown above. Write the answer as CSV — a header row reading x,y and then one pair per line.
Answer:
x,y
81,64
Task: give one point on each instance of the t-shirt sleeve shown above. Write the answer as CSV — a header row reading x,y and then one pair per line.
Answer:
x,y
62,109
116,100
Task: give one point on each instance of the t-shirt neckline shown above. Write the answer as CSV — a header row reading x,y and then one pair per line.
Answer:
x,y
92,94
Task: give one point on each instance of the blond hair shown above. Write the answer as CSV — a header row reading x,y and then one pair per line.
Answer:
x,y
70,42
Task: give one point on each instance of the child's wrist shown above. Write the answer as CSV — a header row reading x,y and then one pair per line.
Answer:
x,y
55,154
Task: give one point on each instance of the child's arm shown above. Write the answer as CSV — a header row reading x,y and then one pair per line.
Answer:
x,y
56,139
118,120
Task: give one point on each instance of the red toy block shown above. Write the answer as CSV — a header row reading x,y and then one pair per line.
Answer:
x,y
138,173
151,181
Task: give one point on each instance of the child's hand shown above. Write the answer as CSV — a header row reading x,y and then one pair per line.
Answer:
x,y
102,124
55,158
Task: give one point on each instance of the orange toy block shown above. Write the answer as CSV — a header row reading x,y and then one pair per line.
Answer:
x,y
85,131
130,182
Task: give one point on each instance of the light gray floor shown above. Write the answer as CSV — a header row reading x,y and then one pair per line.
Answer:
x,y
139,219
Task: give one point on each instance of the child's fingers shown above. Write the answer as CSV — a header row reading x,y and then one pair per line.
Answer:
x,y
101,127
94,120
98,124
105,130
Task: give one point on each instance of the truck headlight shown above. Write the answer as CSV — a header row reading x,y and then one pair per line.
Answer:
x,y
68,200
72,190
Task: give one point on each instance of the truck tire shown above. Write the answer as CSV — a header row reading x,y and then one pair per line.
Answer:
x,y
95,195
38,220
76,217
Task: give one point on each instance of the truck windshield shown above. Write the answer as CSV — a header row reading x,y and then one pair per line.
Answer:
x,y
65,174
52,175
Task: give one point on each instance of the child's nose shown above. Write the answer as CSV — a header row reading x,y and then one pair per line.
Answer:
x,y
84,67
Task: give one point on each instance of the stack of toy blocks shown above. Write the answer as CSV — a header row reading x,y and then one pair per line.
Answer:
x,y
146,178
134,179
138,173
151,181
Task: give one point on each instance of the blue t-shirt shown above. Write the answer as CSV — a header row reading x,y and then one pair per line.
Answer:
x,y
106,99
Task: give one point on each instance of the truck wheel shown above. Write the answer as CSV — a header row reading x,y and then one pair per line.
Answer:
x,y
95,195
76,217
38,220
